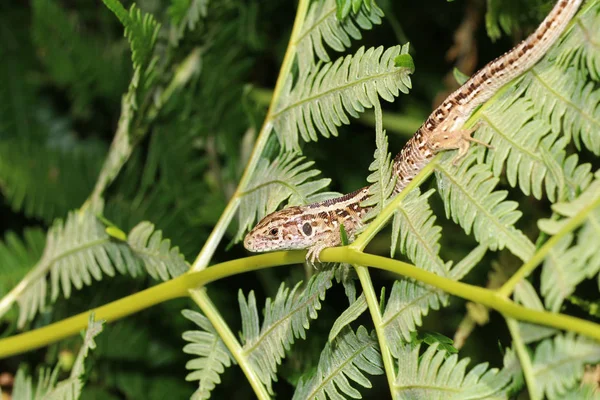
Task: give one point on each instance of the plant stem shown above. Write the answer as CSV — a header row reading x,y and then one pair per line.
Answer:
x,y
373,304
211,312
526,269
524,358
217,233
179,287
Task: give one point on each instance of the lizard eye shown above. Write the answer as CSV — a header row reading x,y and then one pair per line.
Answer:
x,y
307,229
273,232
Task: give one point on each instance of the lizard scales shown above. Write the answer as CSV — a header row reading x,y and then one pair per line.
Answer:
x,y
317,226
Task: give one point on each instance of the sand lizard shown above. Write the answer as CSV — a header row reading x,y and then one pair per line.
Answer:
x,y
317,226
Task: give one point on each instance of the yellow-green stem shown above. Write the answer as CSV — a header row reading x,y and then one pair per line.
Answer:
x,y
524,359
179,287
527,268
373,304
211,312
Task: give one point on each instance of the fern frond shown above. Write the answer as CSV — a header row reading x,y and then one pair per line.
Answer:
x,y
322,24
409,301
185,14
349,315
160,260
567,264
46,182
415,234
559,363
524,145
470,200
79,251
323,97
47,387
435,375
18,255
213,355
567,100
85,65
381,177
287,177
342,362
579,47
141,31
287,317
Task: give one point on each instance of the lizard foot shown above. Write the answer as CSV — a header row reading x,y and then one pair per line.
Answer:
x,y
460,139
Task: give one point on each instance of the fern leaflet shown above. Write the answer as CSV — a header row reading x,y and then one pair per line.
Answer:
x,y
213,355
566,100
434,375
18,255
160,260
287,317
323,96
47,387
345,360
321,24
579,47
558,363
525,145
470,200
567,264
141,31
288,176
80,250
408,303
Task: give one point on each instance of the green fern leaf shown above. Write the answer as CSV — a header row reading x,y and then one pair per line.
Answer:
x,y
344,361
520,142
287,317
470,200
186,14
46,182
579,47
435,375
18,255
141,31
79,251
47,387
321,24
416,235
349,315
567,100
213,355
408,303
567,264
287,177
381,179
160,260
85,65
323,96
559,363
526,295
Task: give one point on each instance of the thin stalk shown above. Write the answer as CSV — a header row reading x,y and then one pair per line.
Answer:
x,y
211,312
373,304
527,268
524,359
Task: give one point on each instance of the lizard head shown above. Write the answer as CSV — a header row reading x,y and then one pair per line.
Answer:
x,y
287,229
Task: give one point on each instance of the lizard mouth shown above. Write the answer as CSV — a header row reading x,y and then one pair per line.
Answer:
x,y
249,243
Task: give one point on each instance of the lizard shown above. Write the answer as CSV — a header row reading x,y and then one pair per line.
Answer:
x,y
317,226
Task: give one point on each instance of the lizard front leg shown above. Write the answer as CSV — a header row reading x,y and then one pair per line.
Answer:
x,y
459,139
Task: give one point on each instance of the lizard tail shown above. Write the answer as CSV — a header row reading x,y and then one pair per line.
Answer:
x,y
485,83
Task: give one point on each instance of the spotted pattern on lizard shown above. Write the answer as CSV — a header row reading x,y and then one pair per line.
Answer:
x,y
317,226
